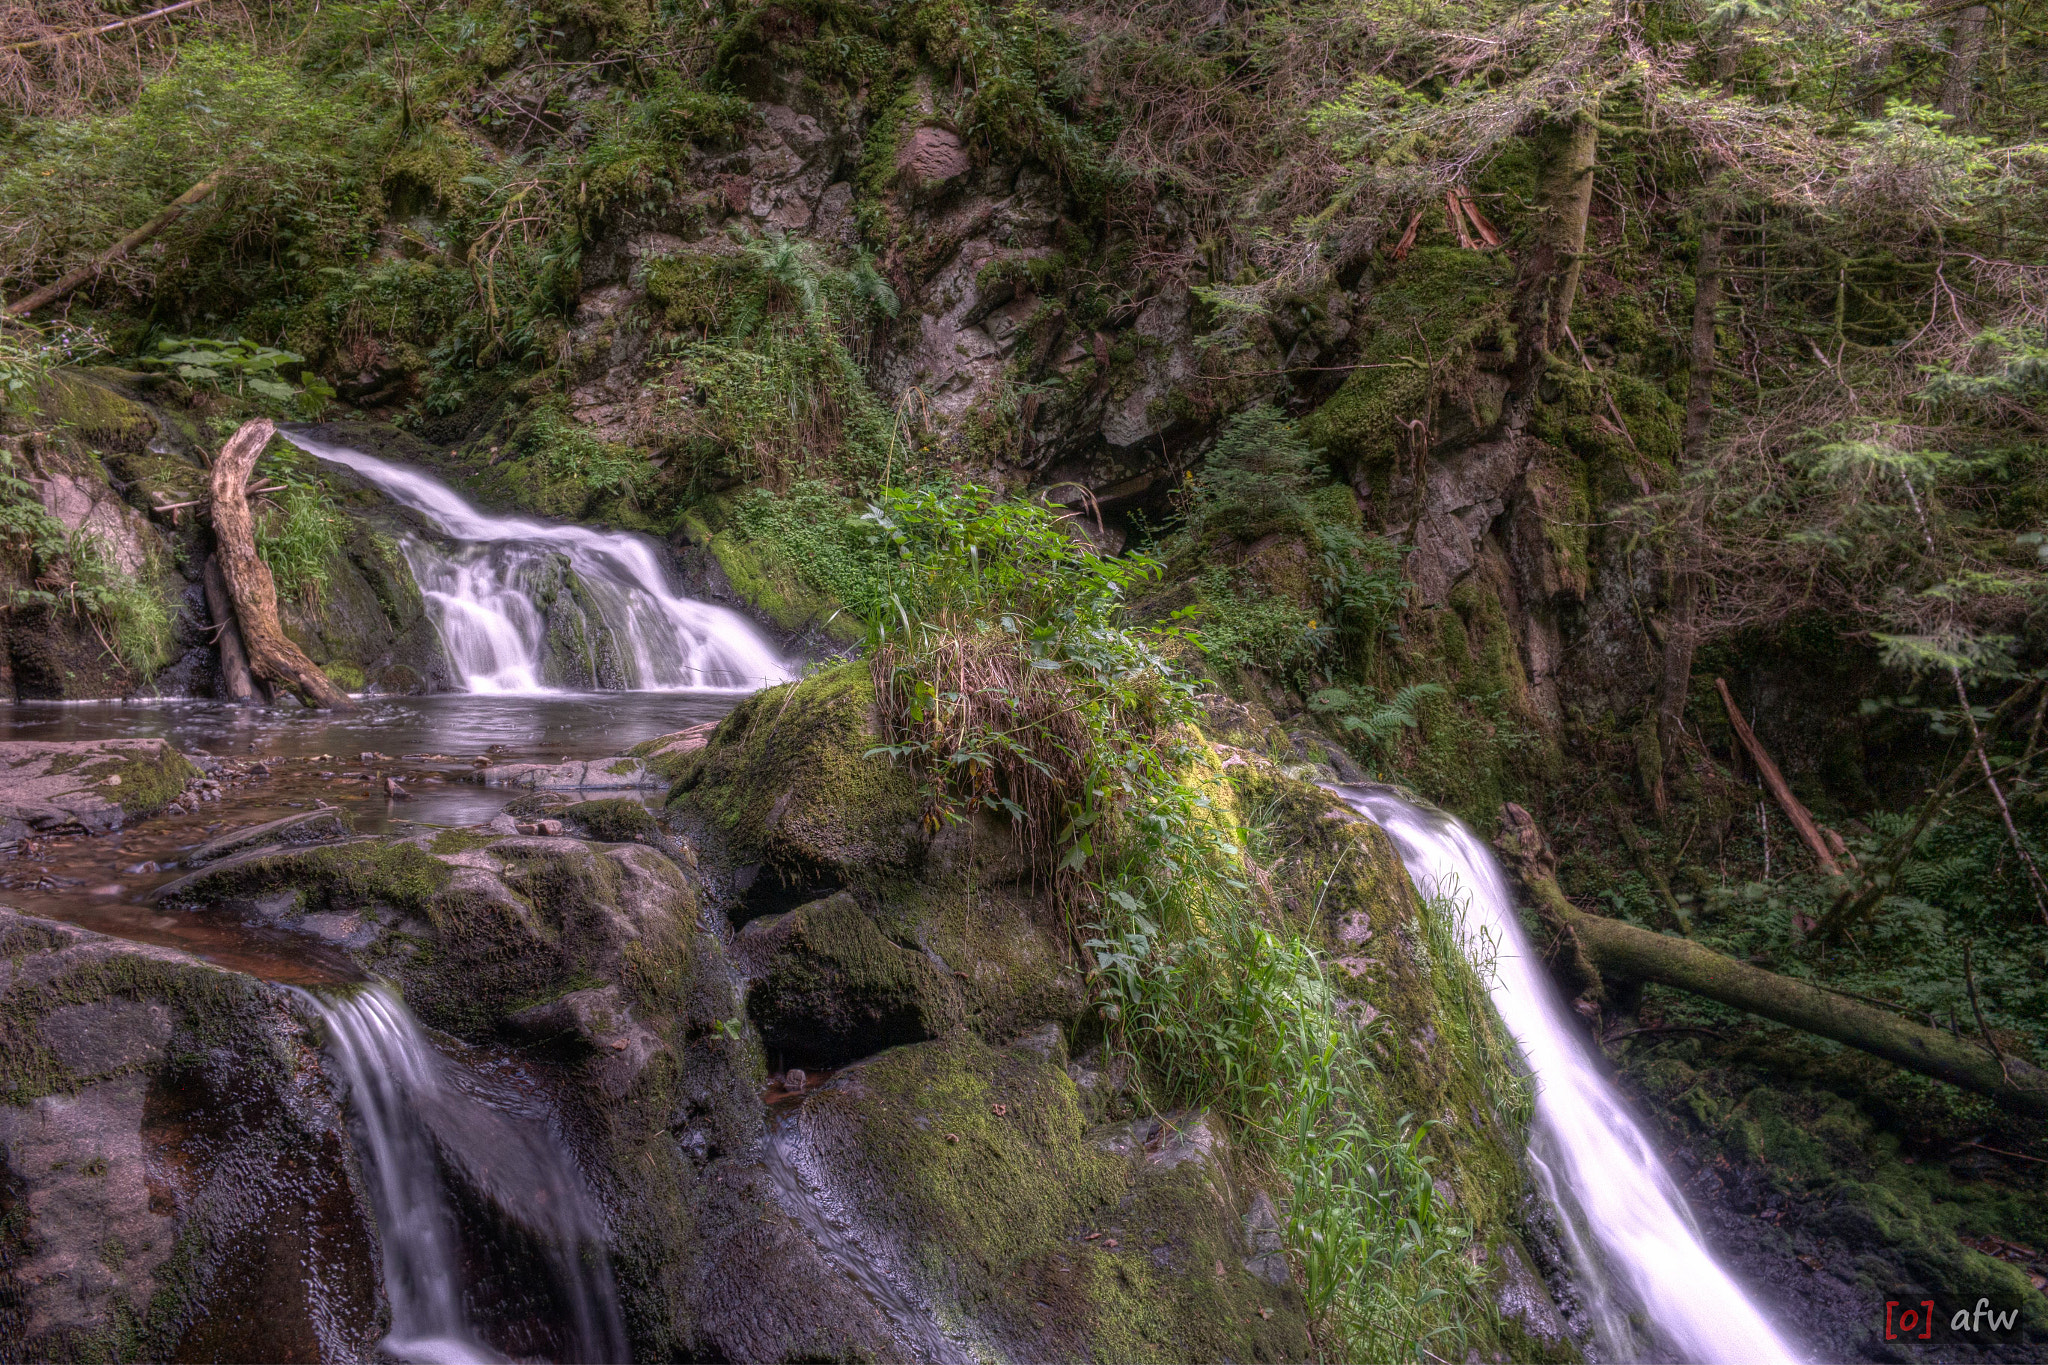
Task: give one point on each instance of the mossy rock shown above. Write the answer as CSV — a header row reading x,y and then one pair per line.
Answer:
x,y
1425,318
95,413
788,782
972,1168
618,820
768,582
829,988
124,1066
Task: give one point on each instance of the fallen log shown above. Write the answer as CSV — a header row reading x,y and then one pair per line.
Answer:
x,y
234,663
1827,846
272,655
1626,952
57,289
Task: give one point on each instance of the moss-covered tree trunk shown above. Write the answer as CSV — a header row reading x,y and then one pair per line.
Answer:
x,y
1551,265
1624,952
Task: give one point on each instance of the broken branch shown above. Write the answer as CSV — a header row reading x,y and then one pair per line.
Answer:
x,y
1825,849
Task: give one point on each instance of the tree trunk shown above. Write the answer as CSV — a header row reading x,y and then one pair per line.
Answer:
x,y
1550,269
1626,952
175,210
1824,850
1959,82
272,656
234,664
1681,635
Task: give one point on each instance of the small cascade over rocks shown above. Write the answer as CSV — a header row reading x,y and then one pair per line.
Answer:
x,y
1635,1251
525,605
415,1113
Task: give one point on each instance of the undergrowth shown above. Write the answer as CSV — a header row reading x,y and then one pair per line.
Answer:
x,y
1013,682
298,530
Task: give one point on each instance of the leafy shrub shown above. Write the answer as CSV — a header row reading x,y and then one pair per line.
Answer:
x,y
816,529
1257,479
245,365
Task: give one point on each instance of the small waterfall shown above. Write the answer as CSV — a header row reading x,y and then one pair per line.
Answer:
x,y
534,606
412,1110
1631,1239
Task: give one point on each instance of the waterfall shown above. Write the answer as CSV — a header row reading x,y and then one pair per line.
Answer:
x,y
412,1111
1631,1239
525,605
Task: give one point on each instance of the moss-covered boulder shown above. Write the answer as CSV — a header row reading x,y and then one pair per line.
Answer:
x,y
972,1172
789,788
174,1183
827,987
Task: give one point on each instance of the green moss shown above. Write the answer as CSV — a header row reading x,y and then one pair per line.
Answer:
x,y
835,988
618,820
1426,317
94,412
148,784
403,876
452,841
347,676
693,288
975,1162
787,779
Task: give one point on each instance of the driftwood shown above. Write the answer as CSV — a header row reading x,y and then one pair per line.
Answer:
x,y
272,655
234,662
175,210
1625,952
1827,846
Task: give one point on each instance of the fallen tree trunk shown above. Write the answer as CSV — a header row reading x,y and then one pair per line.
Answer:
x,y
272,655
1624,951
173,211
1824,848
234,663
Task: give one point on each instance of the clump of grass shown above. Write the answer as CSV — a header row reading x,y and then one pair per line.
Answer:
x,y
298,531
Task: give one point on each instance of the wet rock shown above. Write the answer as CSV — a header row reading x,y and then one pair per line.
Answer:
x,y
88,786
987,1213
829,987
176,1181
312,827
596,773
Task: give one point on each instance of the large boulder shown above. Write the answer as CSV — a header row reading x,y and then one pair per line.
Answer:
x,y
174,1183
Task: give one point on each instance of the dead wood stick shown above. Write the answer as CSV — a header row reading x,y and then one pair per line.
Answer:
x,y
53,39
234,663
272,655
1824,849
57,289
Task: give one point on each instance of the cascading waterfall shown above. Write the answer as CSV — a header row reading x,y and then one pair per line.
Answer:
x,y
1631,1239
484,594
410,1114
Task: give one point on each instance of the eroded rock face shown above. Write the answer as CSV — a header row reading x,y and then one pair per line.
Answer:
x,y
174,1178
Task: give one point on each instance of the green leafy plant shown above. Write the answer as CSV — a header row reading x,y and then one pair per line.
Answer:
x,y
247,367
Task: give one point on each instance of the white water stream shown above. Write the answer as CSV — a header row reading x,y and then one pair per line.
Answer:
x,y
402,1096
482,594
1634,1247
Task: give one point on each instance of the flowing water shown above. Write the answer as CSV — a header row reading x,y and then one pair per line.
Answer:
x,y
1636,1253
415,1111
485,592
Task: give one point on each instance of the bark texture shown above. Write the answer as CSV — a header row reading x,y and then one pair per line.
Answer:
x,y
234,662
1959,82
272,655
1551,267
1624,952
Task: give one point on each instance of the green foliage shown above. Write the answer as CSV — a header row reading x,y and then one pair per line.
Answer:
x,y
770,392
570,453
29,353
1014,683
249,367
1257,479
298,532
73,569
1377,724
815,529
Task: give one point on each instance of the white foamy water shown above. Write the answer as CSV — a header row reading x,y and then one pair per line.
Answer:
x,y
1632,1241
482,594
